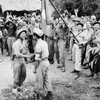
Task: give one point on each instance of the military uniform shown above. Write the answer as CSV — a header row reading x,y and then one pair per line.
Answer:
x,y
80,35
43,84
50,41
18,64
11,35
61,42
19,68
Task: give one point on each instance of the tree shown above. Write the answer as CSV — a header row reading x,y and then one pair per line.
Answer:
x,y
86,7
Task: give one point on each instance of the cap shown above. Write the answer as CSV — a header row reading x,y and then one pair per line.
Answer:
x,y
93,17
76,20
38,31
80,24
20,31
96,23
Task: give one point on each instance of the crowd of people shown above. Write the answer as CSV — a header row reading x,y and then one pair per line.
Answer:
x,y
25,42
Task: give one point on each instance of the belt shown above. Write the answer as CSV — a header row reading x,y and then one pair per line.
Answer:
x,y
44,58
61,39
14,56
51,38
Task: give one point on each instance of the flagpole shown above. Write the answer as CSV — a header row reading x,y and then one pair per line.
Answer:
x,y
41,18
63,20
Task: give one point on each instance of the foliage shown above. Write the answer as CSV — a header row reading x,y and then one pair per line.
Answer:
x,y
86,7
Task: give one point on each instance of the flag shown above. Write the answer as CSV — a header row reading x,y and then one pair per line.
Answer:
x,y
46,13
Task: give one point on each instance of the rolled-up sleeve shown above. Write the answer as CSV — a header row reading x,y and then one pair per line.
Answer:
x,y
16,50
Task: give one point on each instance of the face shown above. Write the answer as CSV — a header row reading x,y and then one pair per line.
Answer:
x,y
79,27
88,25
10,24
96,27
34,37
23,35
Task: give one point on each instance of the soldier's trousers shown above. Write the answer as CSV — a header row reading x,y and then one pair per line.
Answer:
x,y
43,84
77,57
60,52
1,45
50,43
10,41
19,71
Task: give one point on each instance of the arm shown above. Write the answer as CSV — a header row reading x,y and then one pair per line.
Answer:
x,y
36,63
96,40
17,52
37,58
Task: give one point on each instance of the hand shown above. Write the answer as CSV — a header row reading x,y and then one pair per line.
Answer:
x,y
55,38
34,71
31,55
95,50
80,46
28,56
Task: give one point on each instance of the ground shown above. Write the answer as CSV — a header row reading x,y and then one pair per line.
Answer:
x,y
65,87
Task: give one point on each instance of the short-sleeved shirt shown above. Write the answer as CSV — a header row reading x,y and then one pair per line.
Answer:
x,y
61,33
49,31
17,47
80,36
97,36
87,34
41,50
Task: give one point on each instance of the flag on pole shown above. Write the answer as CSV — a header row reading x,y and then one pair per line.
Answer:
x,y
46,13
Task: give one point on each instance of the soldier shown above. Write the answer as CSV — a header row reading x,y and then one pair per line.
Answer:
x,y
72,26
11,28
94,52
43,85
49,37
30,31
88,32
19,69
80,35
61,42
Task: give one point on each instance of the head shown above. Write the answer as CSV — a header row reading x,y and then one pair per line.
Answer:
x,y
10,23
80,26
76,21
37,34
33,21
96,26
88,25
93,18
38,18
21,34
84,20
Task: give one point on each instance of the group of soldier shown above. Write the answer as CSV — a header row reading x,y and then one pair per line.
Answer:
x,y
26,42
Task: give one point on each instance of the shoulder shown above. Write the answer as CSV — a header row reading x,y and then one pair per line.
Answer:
x,y
17,42
43,42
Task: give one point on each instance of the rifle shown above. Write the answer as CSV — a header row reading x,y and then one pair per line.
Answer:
x,y
63,21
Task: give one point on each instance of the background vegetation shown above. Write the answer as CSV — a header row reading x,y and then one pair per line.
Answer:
x,y
85,7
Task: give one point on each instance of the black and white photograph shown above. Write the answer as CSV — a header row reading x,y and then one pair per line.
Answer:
x,y
49,49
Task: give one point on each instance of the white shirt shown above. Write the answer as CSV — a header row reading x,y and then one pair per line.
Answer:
x,y
17,47
87,34
80,36
41,50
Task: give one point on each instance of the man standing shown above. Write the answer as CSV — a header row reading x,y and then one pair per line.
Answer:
x,y
19,68
50,40
77,47
11,28
61,42
43,85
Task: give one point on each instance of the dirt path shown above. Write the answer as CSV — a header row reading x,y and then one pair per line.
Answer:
x,y
65,87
